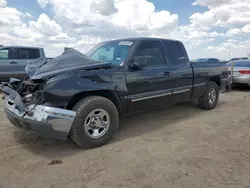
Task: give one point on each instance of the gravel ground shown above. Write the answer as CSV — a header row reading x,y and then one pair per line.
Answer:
x,y
179,146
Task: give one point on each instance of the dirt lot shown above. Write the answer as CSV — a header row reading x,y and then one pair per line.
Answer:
x,y
181,146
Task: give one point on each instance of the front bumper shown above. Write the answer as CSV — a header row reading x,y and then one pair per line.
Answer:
x,y
47,122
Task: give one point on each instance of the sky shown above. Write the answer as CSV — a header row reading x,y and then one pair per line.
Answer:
x,y
208,28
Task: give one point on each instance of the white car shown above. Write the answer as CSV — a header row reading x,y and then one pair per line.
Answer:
x,y
241,71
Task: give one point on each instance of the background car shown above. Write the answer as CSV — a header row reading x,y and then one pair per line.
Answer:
x,y
241,71
239,58
13,60
208,60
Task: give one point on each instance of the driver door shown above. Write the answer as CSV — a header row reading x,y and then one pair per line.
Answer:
x,y
150,86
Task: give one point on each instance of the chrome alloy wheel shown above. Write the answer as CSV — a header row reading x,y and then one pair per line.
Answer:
x,y
97,123
212,95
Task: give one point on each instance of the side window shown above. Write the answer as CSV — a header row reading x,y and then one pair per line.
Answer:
x,y
177,52
26,53
6,53
152,50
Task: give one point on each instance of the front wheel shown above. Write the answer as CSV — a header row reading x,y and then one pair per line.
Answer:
x,y
210,99
95,123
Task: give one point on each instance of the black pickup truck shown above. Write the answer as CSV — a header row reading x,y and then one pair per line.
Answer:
x,y
84,96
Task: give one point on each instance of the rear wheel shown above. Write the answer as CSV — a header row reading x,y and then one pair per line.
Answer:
x,y
210,99
95,123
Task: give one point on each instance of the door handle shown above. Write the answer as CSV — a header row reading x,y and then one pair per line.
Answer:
x,y
166,74
13,62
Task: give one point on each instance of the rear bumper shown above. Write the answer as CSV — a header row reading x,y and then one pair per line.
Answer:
x,y
47,122
241,80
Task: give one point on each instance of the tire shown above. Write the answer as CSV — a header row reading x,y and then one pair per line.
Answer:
x,y
205,102
85,109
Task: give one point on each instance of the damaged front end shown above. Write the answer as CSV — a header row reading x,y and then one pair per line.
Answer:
x,y
30,92
24,107
40,102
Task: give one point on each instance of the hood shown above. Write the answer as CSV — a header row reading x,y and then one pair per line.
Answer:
x,y
71,59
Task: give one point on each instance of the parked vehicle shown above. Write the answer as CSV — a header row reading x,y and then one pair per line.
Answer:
x,y
239,58
83,97
241,72
207,60
13,60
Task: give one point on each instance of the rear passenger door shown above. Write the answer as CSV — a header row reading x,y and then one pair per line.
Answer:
x,y
150,86
7,63
180,70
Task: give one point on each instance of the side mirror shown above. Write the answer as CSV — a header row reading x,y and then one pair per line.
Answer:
x,y
139,62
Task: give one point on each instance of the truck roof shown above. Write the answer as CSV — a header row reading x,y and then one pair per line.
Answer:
x,y
143,38
32,47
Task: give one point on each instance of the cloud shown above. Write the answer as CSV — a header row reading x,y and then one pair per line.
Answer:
x,y
46,26
28,15
206,18
246,29
233,32
43,3
9,16
128,16
84,23
103,7
230,48
141,15
42,32
239,32
3,3
222,13
211,3
216,34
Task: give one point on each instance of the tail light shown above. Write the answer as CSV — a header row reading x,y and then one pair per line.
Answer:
x,y
244,71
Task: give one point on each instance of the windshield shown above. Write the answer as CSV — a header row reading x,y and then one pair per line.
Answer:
x,y
114,52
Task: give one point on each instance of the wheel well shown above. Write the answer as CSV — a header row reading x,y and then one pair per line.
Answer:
x,y
216,79
104,93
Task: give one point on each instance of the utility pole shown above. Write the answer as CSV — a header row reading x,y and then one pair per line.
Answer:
x,y
229,53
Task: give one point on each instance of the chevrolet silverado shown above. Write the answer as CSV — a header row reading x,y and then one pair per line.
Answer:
x,y
83,97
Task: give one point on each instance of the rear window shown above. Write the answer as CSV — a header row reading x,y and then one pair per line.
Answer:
x,y
153,51
27,53
177,52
